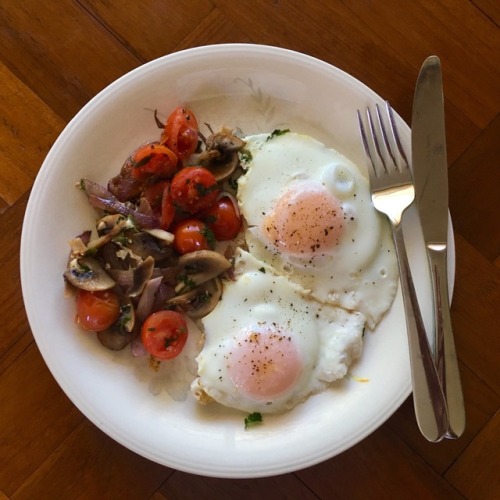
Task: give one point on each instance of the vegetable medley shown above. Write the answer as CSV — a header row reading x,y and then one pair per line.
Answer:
x,y
155,256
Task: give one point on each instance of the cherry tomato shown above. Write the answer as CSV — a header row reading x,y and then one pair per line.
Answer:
x,y
223,219
167,208
191,235
164,334
154,194
153,159
160,200
97,311
181,132
194,189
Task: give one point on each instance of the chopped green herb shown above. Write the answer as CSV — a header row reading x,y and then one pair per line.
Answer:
x,y
121,239
253,418
262,270
203,190
141,163
210,237
170,341
277,132
246,156
233,184
124,318
91,252
186,280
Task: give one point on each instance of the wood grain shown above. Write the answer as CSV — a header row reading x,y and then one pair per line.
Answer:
x,y
56,56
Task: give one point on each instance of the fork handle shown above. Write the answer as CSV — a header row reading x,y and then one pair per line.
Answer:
x,y
428,397
445,353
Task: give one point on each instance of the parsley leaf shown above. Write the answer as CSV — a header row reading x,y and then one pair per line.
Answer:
x,y
253,418
277,132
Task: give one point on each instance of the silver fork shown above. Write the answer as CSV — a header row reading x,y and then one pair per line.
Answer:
x,y
392,192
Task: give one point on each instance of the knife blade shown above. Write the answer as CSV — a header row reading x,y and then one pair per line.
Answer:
x,y
430,175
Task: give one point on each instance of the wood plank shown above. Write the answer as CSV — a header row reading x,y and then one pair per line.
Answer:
x,y
148,28
481,403
474,182
459,34
14,320
475,474
490,8
22,148
15,350
61,52
35,417
190,486
477,282
380,467
89,464
214,29
368,35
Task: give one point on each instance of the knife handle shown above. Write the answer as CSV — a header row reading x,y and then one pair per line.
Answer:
x,y
445,353
428,396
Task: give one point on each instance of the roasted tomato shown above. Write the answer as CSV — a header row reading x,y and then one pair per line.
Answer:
x,y
181,132
191,235
164,334
153,159
194,189
223,219
159,198
97,311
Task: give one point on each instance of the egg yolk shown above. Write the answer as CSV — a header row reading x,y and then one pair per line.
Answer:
x,y
306,220
265,363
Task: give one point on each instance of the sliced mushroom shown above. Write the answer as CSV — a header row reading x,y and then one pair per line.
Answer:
x,y
86,273
113,260
199,302
144,244
198,267
119,335
142,274
221,154
161,234
225,141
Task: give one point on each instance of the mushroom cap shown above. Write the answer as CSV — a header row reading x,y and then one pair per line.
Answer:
x,y
196,268
200,301
120,334
87,273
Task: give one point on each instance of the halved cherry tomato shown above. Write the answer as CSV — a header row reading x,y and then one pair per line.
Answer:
x,y
167,208
191,235
97,311
223,219
194,189
181,132
160,200
154,194
164,334
153,159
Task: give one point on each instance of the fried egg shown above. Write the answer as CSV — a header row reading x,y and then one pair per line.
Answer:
x,y
310,217
268,345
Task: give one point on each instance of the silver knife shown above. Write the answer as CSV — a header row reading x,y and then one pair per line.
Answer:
x,y
430,175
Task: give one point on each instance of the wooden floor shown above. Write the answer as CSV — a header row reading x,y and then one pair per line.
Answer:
x,y
56,55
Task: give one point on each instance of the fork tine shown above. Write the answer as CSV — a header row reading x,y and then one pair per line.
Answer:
x,y
375,138
364,140
385,138
395,134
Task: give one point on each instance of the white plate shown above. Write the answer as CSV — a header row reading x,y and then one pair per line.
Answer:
x,y
256,88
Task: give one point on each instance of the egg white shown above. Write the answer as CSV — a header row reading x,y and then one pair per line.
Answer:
x,y
327,338
360,273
